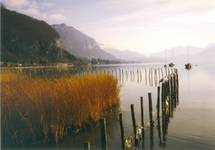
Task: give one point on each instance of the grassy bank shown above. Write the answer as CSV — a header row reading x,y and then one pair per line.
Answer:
x,y
39,108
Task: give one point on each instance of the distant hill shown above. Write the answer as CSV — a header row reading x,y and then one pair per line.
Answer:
x,y
178,52
28,40
205,57
183,54
128,55
79,44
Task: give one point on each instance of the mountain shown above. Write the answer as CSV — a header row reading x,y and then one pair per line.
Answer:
x,y
182,54
79,44
179,51
205,57
128,55
28,40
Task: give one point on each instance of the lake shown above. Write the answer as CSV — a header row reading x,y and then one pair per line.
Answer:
x,y
192,125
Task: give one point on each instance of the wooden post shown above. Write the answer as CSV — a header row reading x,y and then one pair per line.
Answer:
x,y
103,134
134,124
140,75
155,76
158,115
150,109
146,76
142,121
87,146
170,96
142,111
122,131
151,120
158,102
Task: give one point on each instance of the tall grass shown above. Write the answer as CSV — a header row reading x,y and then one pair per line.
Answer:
x,y
39,108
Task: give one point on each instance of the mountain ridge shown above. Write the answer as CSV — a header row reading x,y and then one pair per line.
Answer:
x,y
29,40
80,44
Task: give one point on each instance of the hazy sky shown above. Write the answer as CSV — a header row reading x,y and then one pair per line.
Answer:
x,y
145,26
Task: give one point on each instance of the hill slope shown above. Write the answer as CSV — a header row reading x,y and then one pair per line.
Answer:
x,y
28,40
79,44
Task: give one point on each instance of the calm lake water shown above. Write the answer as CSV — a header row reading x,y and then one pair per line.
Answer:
x,y
192,125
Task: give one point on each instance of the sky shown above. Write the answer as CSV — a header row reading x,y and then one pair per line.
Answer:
x,y
145,26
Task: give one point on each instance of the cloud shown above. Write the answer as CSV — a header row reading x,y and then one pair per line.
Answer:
x,y
36,8
15,3
155,10
57,17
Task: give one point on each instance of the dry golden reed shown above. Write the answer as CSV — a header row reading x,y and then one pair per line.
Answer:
x,y
35,108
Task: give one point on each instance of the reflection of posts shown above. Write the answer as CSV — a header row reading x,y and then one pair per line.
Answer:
x,y
122,131
86,146
103,134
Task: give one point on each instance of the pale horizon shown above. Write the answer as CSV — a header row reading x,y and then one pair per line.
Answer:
x,y
146,26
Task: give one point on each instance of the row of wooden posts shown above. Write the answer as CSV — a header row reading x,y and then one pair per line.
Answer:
x,y
167,100
150,75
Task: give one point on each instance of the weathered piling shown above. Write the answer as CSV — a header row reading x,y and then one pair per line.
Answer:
x,y
155,76
86,146
122,131
134,124
158,101
170,102
142,111
142,121
151,120
140,76
146,76
150,109
158,116
103,134
177,86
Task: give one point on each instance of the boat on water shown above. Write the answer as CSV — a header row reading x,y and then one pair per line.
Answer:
x,y
188,66
171,64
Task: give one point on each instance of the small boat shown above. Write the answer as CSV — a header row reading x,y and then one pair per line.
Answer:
x,y
171,64
188,66
165,66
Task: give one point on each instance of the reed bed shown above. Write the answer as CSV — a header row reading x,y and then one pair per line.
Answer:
x,y
35,109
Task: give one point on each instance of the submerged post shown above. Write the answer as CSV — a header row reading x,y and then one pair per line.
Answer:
x,y
122,131
134,124
103,134
87,146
